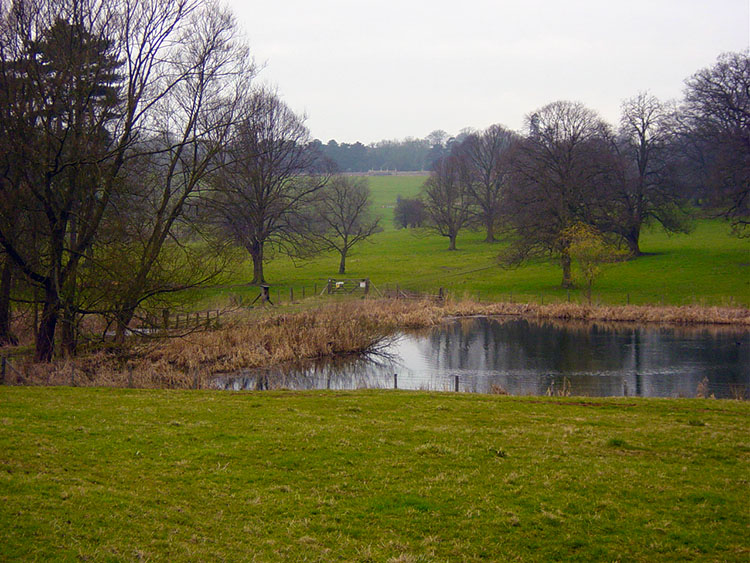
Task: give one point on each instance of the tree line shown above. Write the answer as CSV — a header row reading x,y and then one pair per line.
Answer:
x,y
406,155
571,172
137,156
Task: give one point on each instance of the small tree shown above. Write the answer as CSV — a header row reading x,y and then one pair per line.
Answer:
x,y
408,213
590,251
344,212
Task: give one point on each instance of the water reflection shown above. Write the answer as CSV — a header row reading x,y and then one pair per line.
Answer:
x,y
523,357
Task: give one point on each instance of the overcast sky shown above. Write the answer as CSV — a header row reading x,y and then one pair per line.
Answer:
x,y
387,69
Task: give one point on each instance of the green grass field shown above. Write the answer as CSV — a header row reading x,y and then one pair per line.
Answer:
x,y
110,475
707,266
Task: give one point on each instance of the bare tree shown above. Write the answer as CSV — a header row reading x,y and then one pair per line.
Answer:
x,y
646,189
168,174
448,205
265,191
558,175
344,214
717,112
487,160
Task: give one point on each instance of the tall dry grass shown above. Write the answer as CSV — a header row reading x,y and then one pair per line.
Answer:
x,y
250,340
680,315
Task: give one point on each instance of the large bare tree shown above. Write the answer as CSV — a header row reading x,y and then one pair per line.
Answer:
x,y
559,176
265,192
169,172
716,111
646,188
486,157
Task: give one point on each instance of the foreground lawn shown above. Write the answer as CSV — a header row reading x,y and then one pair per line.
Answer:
x,y
369,476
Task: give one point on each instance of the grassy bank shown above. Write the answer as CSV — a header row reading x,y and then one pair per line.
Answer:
x,y
369,476
314,329
705,267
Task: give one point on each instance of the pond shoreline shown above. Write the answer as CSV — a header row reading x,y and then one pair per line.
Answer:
x,y
261,338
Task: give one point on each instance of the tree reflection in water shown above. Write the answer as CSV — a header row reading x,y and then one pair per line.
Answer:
x,y
525,357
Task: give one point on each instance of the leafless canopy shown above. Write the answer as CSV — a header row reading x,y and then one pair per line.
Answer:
x,y
717,113
447,202
559,175
271,176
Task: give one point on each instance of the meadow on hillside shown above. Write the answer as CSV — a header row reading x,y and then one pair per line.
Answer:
x,y
708,266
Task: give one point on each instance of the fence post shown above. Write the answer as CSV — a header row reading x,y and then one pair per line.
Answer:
x,y
291,295
395,381
367,286
165,319
328,287
456,384
303,292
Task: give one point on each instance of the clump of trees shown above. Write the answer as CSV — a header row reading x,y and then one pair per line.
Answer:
x,y
408,213
572,169
112,113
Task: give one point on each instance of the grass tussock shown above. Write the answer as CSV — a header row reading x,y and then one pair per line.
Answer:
x,y
261,338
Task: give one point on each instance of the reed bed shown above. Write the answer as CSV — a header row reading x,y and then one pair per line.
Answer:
x,y
677,315
253,339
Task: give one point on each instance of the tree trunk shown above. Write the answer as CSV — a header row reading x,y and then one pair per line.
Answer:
x,y
68,340
567,281
452,245
342,263
122,319
490,225
256,251
45,337
6,279
632,240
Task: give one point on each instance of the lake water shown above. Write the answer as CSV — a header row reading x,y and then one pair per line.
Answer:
x,y
522,357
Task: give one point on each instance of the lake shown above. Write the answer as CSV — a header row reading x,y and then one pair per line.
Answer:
x,y
525,357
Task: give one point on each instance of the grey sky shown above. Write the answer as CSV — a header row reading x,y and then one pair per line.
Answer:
x,y
371,70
